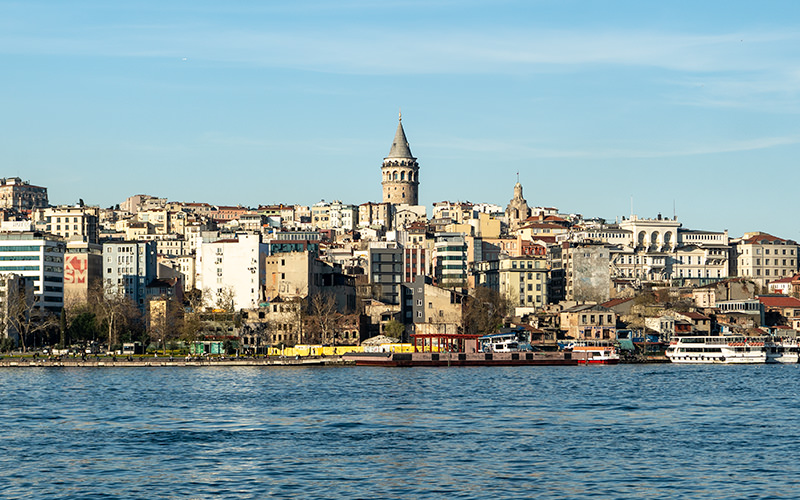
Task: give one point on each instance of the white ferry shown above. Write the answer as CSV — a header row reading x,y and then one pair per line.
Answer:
x,y
782,350
727,349
504,342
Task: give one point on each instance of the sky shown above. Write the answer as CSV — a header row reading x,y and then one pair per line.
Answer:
x,y
605,108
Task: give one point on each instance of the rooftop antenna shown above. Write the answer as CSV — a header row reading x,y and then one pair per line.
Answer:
x,y
674,214
517,176
631,206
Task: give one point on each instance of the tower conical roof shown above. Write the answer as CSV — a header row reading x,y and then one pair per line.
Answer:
x,y
400,148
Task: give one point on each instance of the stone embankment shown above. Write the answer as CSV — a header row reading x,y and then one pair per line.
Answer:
x,y
14,362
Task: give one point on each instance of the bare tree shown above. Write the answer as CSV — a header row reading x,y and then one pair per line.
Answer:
x,y
26,318
324,317
298,312
192,322
115,309
164,320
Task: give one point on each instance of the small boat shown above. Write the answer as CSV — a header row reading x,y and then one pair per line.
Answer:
x,y
594,352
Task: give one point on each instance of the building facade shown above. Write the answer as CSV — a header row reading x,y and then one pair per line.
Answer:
x,y
128,267
38,257
21,195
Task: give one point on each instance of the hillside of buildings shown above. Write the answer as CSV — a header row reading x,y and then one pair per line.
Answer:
x,y
162,271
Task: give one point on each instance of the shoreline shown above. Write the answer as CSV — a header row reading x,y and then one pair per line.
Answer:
x,y
165,362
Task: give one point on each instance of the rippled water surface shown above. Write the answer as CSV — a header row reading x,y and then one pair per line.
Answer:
x,y
628,431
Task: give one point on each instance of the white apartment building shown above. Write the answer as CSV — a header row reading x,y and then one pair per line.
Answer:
x,y
232,265
40,258
343,216
763,257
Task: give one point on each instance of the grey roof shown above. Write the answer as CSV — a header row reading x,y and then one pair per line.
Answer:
x,y
400,148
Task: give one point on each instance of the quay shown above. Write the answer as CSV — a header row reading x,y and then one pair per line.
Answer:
x,y
108,362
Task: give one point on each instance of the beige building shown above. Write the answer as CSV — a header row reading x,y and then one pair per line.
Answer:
x,y
158,219
21,195
763,257
301,274
69,222
589,322
435,310
523,282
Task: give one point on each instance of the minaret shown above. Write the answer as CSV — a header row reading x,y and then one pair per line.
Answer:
x,y
400,171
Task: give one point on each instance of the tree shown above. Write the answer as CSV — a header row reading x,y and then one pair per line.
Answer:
x,y
192,322
324,318
115,311
164,320
394,328
298,313
24,316
83,327
484,311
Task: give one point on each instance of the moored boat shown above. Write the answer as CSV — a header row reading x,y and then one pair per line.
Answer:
x,y
594,352
782,350
728,349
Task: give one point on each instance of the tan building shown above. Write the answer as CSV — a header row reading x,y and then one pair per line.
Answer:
x,y
523,282
69,222
435,310
763,257
21,195
301,274
589,322
158,219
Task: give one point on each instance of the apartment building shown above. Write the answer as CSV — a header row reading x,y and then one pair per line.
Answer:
x,y
38,257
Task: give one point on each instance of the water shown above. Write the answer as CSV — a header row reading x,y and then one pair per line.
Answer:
x,y
627,431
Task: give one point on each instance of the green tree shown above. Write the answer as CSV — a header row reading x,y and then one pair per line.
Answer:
x,y
484,311
394,328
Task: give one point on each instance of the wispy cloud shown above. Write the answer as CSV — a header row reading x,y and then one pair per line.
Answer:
x,y
340,48
521,150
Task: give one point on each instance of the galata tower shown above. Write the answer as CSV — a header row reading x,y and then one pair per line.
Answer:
x,y
400,171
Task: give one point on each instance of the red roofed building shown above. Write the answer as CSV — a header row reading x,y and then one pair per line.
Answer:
x,y
700,322
764,257
781,310
782,286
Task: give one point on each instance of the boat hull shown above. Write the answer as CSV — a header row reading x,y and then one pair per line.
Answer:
x,y
461,359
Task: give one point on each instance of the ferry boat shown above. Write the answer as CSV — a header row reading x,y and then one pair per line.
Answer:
x,y
594,352
782,350
504,342
728,349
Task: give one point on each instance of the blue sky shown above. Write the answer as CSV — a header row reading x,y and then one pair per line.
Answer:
x,y
691,105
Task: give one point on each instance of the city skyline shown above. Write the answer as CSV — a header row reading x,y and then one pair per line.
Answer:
x,y
599,107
